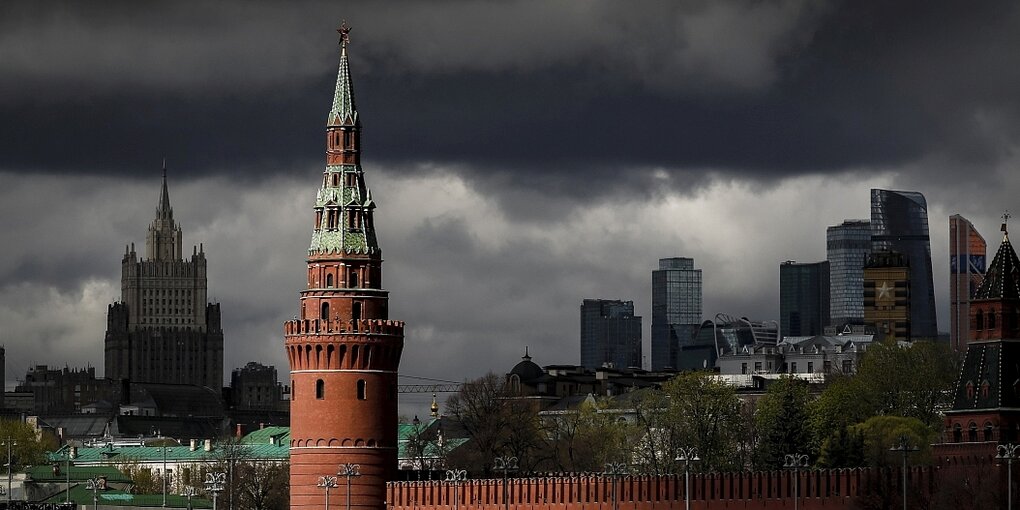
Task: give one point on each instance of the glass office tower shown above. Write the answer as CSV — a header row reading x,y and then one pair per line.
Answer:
x,y
610,334
967,252
676,309
803,298
899,223
847,247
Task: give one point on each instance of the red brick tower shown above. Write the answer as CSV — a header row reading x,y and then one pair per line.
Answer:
x,y
343,351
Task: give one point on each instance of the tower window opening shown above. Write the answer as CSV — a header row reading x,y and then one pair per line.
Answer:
x,y
353,278
991,319
361,389
329,280
356,311
325,311
980,320
320,389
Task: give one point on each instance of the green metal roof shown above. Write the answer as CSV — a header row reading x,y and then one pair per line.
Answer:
x,y
127,454
281,435
78,473
81,495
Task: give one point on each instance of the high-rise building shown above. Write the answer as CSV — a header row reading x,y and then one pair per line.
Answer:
x,y
887,295
967,252
803,298
899,223
847,246
676,309
610,334
342,348
163,330
255,386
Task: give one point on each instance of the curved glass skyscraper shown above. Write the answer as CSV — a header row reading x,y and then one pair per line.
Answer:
x,y
899,223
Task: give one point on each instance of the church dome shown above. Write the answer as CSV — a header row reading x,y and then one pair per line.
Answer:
x,y
526,369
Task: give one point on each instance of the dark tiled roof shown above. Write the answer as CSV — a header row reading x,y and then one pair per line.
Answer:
x,y
992,364
1002,279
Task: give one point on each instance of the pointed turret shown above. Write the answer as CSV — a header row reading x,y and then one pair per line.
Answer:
x,y
343,112
1002,279
163,241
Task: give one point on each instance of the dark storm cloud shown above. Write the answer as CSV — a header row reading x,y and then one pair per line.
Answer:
x,y
576,99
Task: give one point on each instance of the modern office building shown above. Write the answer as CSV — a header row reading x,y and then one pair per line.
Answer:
x,y
899,223
163,330
610,334
676,309
803,298
887,301
725,335
847,246
967,252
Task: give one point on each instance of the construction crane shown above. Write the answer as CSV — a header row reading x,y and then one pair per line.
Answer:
x,y
432,386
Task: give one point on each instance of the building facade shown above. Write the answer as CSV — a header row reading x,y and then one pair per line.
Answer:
x,y
163,330
899,223
676,309
803,298
847,246
342,348
255,386
887,295
610,334
967,252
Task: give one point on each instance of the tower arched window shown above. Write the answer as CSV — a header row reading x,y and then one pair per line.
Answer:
x,y
957,433
991,319
972,432
320,389
329,280
353,280
356,311
362,389
988,431
979,320
325,311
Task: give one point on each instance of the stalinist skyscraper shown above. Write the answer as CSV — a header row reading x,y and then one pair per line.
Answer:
x,y
163,330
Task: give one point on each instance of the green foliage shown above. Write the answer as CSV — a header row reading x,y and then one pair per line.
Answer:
x,y
883,432
592,437
782,424
843,449
29,447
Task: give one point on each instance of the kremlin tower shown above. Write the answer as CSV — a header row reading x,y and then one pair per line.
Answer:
x,y
342,348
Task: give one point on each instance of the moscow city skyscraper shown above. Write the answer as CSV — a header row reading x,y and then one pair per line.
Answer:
x,y
899,223
847,247
676,309
610,334
803,298
967,252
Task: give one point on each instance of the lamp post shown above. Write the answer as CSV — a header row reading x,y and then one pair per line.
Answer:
x,y
189,492
687,455
10,480
795,461
614,470
905,448
94,484
214,483
456,476
327,482
505,464
67,474
1009,452
164,475
350,471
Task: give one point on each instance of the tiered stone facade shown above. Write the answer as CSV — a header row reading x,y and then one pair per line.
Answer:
x,y
343,350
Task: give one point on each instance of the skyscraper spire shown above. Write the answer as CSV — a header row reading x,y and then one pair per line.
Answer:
x,y
164,211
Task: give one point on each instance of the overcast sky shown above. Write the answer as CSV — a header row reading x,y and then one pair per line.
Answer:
x,y
524,154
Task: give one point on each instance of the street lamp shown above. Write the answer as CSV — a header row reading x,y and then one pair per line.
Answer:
x,y
615,469
505,464
349,470
94,484
904,447
164,475
189,492
456,476
687,455
795,461
10,443
214,483
1009,452
327,482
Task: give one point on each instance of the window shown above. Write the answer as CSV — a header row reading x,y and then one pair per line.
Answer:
x,y
991,319
356,311
810,367
329,280
848,366
979,322
743,368
320,389
325,311
793,367
957,433
361,389
988,431
972,432
757,366
354,280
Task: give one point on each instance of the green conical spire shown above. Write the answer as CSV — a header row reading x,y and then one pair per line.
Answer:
x,y
343,111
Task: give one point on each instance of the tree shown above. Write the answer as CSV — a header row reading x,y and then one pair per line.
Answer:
x,y
29,448
883,432
588,438
781,420
263,485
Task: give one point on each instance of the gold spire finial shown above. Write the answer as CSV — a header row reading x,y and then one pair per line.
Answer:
x,y
435,407
1005,219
